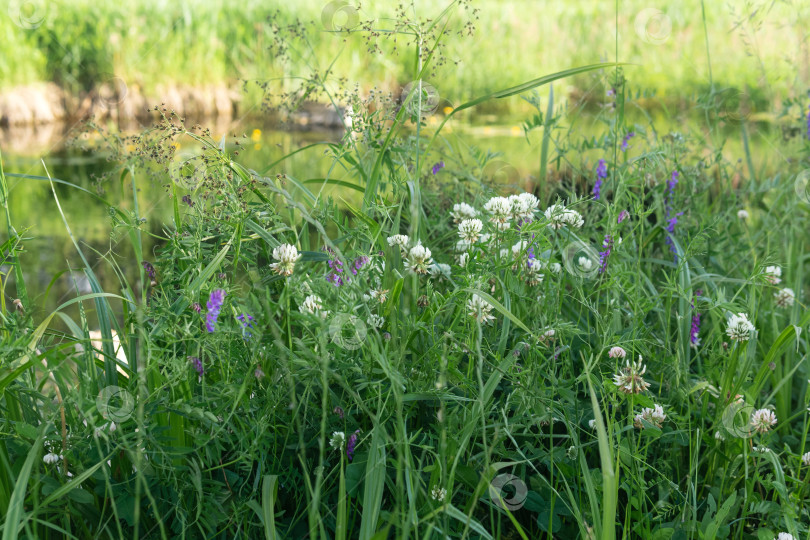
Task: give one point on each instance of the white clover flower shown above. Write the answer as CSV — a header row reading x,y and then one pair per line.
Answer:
x,y
784,297
399,240
654,416
773,274
617,352
500,209
438,493
585,263
463,259
440,270
519,248
761,449
286,255
630,378
762,420
719,436
785,536
484,238
504,253
534,272
380,295
742,214
462,246
523,207
555,268
112,427
559,216
462,211
739,327
50,458
313,305
337,440
592,423
375,321
419,258
480,309
470,230
547,336
806,459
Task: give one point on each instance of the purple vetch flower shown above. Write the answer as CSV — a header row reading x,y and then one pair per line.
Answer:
x,y
624,214
214,305
188,201
438,166
359,263
626,139
335,275
258,373
196,307
149,269
604,255
338,411
672,220
351,444
247,322
601,174
198,365
694,333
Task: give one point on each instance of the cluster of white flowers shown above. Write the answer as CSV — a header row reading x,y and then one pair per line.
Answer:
x,y
653,416
784,297
500,211
523,207
286,255
380,295
50,458
462,211
559,216
375,321
470,230
480,309
617,352
438,493
773,274
762,420
739,327
440,270
785,536
806,459
534,272
419,259
337,440
313,305
630,378
742,214
399,240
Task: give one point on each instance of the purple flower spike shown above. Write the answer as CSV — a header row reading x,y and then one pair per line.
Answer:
x,y
624,214
149,269
198,365
351,444
626,139
604,255
438,166
247,322
695,331
601,174
359,263
214,306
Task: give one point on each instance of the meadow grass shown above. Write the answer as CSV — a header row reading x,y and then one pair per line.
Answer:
x,y
618,351
150,43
